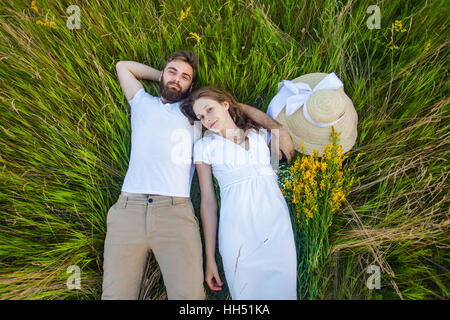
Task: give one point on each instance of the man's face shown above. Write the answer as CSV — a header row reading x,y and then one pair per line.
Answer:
x,y
176,81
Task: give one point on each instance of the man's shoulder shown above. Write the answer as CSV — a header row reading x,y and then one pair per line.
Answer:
x,y
142,95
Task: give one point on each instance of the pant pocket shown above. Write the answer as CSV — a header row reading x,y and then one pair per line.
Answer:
x,y
193,213
187,211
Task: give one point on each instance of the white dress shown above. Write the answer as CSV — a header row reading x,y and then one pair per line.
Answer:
x,y
255,235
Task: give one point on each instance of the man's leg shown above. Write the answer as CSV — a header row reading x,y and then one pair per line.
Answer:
x,y
175,241
126,249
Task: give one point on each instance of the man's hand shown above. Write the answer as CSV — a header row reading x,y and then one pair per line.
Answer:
x,y
129,73
285,143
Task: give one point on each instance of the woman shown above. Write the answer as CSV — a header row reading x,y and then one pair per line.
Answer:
x,y
256,240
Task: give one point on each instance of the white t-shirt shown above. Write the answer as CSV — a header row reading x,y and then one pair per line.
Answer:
x,y
162,142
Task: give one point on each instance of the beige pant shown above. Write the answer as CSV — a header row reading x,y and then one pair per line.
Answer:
x,y
168,227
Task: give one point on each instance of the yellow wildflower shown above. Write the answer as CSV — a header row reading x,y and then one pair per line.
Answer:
x,y
42,22
195,36
322,185
351,180
184,14
288,184
307,190
427,47
398,26
308,213
46,23
33,6
319,182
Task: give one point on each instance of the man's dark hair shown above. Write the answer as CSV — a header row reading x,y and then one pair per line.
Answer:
x,y
186,56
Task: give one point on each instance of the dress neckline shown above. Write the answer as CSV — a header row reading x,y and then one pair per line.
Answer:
x,y
247,137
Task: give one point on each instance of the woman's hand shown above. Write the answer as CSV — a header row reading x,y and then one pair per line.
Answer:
x,y
212,276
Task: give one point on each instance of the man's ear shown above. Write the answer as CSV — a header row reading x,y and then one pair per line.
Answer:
x,y
190,88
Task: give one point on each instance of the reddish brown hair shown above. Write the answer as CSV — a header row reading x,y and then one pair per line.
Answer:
x,y
237,114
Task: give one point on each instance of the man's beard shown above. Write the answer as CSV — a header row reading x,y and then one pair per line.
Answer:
x,y
171,94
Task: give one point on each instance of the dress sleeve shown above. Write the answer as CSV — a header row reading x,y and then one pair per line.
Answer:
x,y
201,153
266,135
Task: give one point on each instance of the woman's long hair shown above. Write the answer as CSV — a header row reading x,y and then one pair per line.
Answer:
x,y
237,114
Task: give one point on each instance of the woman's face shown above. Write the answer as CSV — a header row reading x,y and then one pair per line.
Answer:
x,y
213,115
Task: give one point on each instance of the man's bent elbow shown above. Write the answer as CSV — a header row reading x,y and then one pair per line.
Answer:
x,y
120,64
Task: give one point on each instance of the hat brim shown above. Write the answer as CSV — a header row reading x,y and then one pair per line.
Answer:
x,y
314,137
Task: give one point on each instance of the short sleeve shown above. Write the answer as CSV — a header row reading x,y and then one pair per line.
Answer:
x,y
137,97
197,127
266,135
201,153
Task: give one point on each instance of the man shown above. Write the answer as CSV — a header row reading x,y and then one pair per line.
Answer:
x,y
154,212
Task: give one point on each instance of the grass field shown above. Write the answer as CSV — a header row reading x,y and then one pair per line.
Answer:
x,y
65,131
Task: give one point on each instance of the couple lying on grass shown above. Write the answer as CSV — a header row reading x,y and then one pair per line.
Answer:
x,y
154,213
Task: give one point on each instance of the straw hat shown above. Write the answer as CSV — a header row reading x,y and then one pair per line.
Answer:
x,y
324,107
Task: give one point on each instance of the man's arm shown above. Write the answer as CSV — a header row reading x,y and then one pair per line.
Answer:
x,y
286,144
128,73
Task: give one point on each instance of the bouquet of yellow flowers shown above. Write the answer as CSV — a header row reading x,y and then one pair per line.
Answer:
x,y
315,189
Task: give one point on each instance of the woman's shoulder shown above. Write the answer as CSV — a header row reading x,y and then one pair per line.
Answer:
x,y
261,131
209,137
262,134
205,139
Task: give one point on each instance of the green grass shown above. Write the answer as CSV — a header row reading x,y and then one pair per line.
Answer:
x,y
65,132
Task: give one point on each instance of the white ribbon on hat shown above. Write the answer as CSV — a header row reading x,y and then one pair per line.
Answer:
x,y
293,95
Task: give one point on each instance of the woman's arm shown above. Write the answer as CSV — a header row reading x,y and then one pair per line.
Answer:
x,y
208,208
208,214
